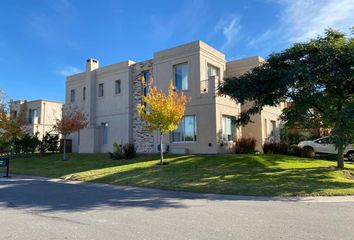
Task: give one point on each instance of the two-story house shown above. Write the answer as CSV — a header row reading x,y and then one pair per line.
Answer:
x,y
39,116
109,95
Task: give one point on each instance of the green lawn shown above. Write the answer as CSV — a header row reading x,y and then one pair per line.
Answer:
x,y
227,174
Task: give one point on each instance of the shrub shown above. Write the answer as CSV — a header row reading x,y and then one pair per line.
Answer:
x,y
29,143
269,147
50,142
118,153
308,152
245,145
4,147
295,150
275,148
129,151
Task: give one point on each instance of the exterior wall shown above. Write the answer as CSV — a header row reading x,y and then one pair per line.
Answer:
x,y
119,111
142,138
256,128
111,108
48,113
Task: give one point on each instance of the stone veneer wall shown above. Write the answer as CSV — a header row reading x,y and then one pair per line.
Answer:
x,y
143,139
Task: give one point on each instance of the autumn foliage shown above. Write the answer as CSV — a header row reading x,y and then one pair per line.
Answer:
x,y
72,120
162,112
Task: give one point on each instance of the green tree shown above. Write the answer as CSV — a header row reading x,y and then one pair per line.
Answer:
x,y
317,76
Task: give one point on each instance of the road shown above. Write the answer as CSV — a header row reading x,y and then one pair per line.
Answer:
x,y
40,208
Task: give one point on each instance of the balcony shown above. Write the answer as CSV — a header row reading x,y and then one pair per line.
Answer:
x,y
209,85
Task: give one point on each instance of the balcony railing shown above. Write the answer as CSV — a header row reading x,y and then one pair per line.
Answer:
x,y
204,86
209,85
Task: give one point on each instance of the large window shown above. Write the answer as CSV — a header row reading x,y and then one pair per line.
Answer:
x,y
72,95
104,133
100,90
228,128
181,76
186,131
117,87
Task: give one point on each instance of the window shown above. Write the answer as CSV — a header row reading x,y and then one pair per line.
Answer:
x,y
72,95
33,113
212,71
146,87
84,93
274,126
147,79
104,133
228,129
117,87
181,76
186,131
265,128
325,140
100,90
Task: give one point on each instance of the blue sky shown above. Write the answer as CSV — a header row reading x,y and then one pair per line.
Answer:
x,y
43,41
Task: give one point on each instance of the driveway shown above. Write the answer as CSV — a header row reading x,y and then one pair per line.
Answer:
x,y
40,208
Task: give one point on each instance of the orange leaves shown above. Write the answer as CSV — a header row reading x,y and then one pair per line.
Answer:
x,y
72,120
163,112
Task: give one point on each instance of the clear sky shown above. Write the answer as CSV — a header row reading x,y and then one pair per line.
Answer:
x,y
43,41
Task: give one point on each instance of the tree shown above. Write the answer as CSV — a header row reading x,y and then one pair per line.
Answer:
x,y
316,76
10,129
162,112
73,120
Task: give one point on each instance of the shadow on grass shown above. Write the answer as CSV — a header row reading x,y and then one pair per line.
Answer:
x,y
248,175
242,176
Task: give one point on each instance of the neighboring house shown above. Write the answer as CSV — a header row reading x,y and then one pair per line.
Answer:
x,y
109,95
308,133
39,116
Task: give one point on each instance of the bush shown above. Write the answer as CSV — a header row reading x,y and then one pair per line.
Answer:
x,y
308,152
4,148
275,148
118,153
245,145
295,150
129,151
50,143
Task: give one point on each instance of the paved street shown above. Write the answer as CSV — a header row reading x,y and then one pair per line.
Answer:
x,y
38,208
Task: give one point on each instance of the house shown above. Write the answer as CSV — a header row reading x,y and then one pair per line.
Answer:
x,y
109,95
39,116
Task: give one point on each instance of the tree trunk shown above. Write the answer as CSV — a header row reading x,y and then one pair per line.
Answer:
x,y
161,149
340,159
64,148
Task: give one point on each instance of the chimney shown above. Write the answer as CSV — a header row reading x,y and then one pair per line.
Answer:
x,y
91,64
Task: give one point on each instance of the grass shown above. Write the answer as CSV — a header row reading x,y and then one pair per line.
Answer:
x,y
272,175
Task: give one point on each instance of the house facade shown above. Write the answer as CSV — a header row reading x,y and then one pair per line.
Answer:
x,y
109,95
39,116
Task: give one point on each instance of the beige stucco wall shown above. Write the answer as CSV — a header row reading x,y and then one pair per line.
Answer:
x,y
256,128
48,113
119,111
114,109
